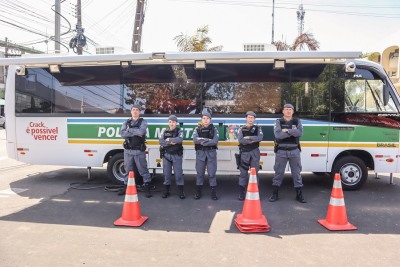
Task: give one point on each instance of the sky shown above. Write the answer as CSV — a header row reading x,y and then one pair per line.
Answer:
x,y
338,25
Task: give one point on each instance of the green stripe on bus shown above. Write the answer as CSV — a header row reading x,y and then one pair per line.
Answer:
x,y
311,133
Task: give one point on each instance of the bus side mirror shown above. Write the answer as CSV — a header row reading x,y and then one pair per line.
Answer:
x,y
385,94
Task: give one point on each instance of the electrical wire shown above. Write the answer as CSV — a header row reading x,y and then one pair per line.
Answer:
x,y
109,188
88,186
124,15
69,24
37,18
282,6
29,18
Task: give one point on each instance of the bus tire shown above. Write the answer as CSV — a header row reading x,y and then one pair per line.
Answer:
x,y
115,169
353,172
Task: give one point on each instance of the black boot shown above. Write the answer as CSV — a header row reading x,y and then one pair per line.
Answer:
x,y
242,194
166,192
147,189
181,193
214,193
299,196
275,195
198,192
122,191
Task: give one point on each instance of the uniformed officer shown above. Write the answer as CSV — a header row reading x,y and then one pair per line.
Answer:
x,y
249,137
172,153
134,132
205,138
287,131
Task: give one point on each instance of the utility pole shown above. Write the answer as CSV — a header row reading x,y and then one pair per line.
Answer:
x,y
79,40
273,18
79,29
137,29
57,40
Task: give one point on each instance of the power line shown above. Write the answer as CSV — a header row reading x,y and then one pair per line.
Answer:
x,y
282,6
23,8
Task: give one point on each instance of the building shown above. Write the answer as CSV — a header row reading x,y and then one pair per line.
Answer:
x,y
389,57
111,50
258,47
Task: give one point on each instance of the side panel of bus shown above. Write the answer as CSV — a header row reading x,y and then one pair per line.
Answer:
x,y
45,141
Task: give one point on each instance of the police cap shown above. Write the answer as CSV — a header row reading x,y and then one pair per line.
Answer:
x,y
250,113
136,106
173,118
288,106
205,113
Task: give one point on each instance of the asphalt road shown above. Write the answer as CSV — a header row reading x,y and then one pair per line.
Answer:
x,y
53,216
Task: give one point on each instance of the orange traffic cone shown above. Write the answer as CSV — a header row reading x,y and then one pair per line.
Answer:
x,y
336,218
131,210
251,220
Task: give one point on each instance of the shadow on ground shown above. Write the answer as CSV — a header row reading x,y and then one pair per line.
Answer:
x,y
374,209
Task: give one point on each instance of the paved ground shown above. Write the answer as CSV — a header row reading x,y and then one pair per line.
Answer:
x,y
50,216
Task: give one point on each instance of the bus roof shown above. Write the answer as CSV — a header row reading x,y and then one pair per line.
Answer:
x,y
182,58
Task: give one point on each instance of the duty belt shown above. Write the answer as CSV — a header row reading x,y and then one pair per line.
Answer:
x,y
288,148
204,148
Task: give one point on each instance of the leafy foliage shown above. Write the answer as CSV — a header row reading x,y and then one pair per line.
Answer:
x,y
196,43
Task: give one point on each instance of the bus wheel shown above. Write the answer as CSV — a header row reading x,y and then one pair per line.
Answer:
x,y
115,169
353,172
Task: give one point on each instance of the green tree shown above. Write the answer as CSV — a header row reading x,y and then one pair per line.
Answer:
x,y
372,56
198,42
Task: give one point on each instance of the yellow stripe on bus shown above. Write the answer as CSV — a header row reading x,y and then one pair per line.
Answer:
x,y
353,145
95,141
230,143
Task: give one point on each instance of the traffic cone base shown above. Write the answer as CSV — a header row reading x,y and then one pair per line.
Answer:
x,y
138,222
259,229
335,227
262,221
251,220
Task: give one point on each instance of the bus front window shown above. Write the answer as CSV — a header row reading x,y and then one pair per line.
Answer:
x,y
366,96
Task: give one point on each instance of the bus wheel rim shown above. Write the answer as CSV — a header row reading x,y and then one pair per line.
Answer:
x,y
351,174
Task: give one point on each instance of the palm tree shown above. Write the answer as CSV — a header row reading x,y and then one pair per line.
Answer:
x,y
195,43
303,40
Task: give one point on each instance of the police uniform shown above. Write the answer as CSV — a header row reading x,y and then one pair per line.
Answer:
x,y
287,148
249,152
206,140
134,132
172,155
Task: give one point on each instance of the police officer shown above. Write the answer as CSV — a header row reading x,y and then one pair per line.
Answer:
x,y
205,138
249,137
287,131
172,153
134,132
